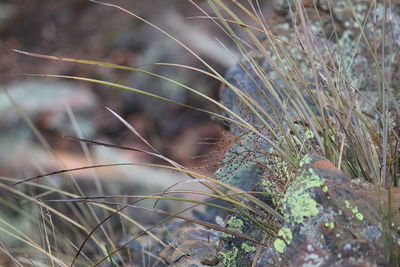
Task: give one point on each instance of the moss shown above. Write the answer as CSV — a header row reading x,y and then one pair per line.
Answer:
x,y
229,258
279,245
298,202
247,248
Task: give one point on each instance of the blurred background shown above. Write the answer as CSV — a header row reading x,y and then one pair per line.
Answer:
x,y
86,30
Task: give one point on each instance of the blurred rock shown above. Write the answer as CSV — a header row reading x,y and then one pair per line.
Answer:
x,y
6,11
37,96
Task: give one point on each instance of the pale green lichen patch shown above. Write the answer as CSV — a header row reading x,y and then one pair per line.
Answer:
x,y
233,224
247,248
330,225
276,177
308,134
226,235
354,210
298,202
306,160
286,239
273,191
359,216
278,165
286,234
325,189
229,258
279,245
304,135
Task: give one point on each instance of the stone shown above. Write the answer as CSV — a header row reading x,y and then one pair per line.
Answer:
x,y
325,213
192,247
330,221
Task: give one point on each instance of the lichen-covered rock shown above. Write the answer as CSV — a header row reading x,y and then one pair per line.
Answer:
x,y
241,167
334,28
337,39
329,221
234,251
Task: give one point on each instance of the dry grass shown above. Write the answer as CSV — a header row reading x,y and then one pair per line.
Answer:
x,y
323,102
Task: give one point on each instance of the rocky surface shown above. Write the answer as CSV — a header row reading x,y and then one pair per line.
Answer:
x,y
193,247
329,219
179,243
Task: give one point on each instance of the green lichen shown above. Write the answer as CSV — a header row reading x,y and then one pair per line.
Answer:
x,y
279,166
286,239
354,210
247,248
306,160
308,134
304,134
226,235
274,179
298,202
233,224
229,258
273,191
359,216
286,234
285,26
330,225
279,245
316,27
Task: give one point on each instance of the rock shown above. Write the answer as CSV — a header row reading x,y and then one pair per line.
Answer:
x,y
242,167
249,83
146,250
354,51
184,244
194,247
49,97
330,221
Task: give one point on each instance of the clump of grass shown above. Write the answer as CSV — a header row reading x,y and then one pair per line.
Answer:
x,y
310,90
318,91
